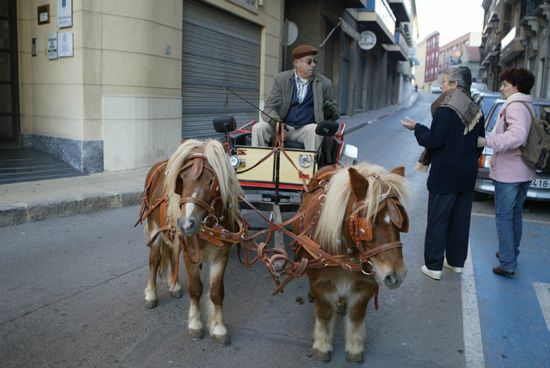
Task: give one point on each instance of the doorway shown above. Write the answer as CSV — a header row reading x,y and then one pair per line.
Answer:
x,y
9,84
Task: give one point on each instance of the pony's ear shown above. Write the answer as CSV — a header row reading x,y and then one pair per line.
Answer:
x,y
358,183
399,171
179,185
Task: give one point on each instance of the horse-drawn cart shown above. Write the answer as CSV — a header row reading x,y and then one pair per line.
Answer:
x,y
345,233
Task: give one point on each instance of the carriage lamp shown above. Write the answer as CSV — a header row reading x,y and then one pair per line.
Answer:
x,y
305,160
234,161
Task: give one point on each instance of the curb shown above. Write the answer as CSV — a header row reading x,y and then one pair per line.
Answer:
x,y
20,213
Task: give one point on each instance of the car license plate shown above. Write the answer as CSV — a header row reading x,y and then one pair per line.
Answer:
x,y
540,183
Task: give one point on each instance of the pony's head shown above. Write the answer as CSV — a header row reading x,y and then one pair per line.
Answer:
x,y
362,217
201,185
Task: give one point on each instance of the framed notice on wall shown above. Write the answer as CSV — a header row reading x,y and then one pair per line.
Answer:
x,y
65,44
52,45
64,13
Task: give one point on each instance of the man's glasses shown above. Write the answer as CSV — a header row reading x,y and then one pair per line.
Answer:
x,y
309,61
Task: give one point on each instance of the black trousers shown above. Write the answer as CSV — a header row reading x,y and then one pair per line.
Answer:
x,y
448,229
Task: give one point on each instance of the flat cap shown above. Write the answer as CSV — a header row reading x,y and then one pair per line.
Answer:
x,y
303,50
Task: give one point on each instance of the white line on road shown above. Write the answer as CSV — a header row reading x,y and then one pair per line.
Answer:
x,y
524,218
473,345
543,295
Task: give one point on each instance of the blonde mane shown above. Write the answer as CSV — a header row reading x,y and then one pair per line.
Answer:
x,y
328,233
217,158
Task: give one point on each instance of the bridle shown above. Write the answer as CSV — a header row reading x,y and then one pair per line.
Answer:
x,y
211,229
197,163
361,230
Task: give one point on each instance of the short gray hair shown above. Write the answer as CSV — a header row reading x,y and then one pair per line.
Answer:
x,y
460,74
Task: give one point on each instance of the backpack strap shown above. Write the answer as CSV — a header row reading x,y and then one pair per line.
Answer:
x,y
526,106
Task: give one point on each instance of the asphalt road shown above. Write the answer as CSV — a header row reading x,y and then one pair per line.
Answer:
x,y
73,294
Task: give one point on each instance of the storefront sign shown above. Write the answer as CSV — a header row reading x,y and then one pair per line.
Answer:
x,y
64,13
367,40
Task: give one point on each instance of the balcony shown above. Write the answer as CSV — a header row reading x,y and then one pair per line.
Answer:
x,y
353,3
401,9
511,46
397,51
378,17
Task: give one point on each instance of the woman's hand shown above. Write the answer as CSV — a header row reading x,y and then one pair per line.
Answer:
x,y
408,123
481,142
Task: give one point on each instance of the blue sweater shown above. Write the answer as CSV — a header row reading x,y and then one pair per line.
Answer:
x,y
300,114
454,156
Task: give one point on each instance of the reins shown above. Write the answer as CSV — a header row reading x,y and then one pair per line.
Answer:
x,y
319,258
210,229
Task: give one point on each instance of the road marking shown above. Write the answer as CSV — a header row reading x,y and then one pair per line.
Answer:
x,y
524,219
543,295
473,345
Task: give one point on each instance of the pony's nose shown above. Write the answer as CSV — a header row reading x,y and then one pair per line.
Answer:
x,y
391,281
189,227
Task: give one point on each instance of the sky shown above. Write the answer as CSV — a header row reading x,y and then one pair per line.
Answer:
x,y
452,18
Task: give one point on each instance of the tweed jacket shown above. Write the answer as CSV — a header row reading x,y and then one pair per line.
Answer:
x,y
278,102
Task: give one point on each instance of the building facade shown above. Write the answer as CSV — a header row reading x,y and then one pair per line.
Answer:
x,y
432,60
113,85
516,34
462,51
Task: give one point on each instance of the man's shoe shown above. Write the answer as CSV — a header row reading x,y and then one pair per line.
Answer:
x,y
436,275
498,255
499,271
455,269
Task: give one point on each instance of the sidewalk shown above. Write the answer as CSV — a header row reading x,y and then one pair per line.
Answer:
x,y
40,200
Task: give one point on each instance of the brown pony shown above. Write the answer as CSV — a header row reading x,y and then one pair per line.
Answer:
x,y
355,220
196,189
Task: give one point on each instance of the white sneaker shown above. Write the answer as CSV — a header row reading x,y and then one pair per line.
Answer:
x,y
436,275
455,269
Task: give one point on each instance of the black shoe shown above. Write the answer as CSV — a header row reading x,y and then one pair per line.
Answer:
x,y
498,255
499,271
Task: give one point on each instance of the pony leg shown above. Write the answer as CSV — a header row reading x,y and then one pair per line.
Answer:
x,y
151,289
194,324
174,285
355,327
218,330
324,326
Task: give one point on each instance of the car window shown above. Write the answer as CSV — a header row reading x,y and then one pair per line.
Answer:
x,y
493,115
495,111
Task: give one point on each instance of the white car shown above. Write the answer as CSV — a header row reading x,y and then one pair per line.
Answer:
x,y
540,187
436,88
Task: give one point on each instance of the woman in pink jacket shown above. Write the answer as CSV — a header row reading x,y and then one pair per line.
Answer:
x,y
510,174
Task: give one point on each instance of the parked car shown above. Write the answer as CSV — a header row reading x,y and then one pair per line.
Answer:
x,y
436,88
539,188
481,87
486,100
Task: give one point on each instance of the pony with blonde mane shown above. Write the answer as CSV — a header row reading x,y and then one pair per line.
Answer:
x,y
356,221
196,187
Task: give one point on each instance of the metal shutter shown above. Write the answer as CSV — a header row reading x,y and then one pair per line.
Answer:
x,y
218,49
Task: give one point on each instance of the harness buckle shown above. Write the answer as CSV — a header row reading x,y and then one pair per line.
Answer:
x,y
364,270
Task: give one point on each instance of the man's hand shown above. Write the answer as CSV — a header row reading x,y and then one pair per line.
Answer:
x,y
330,109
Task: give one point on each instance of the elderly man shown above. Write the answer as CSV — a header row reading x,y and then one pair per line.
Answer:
x,y
300,99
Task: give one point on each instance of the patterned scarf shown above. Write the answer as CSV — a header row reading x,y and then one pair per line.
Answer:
x,y
466,109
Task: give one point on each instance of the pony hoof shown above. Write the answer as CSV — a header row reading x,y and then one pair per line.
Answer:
x,y
354,358
322,356
222,340
196,335
150,304
177,294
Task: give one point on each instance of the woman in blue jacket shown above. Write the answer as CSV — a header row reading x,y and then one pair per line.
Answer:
x,y
452,150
